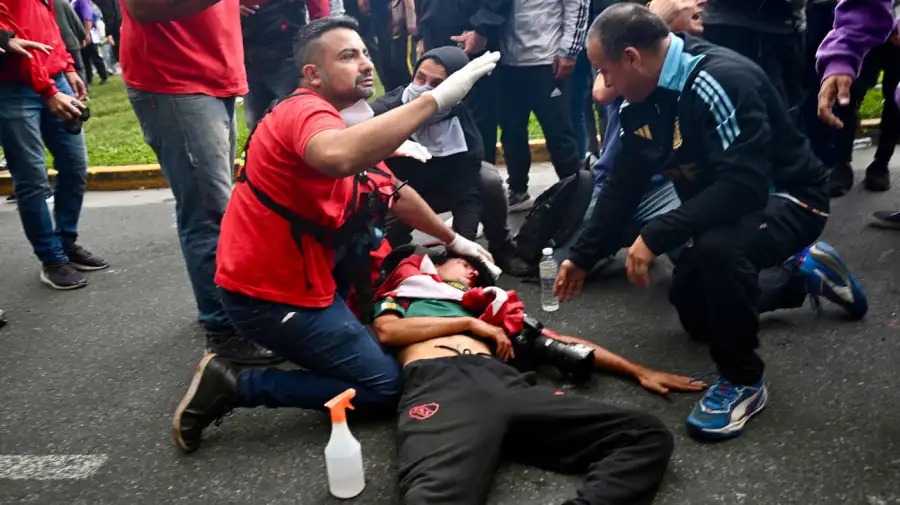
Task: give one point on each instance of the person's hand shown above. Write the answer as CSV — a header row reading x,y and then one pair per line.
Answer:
x,y
569,281
471,42
680,15
496,334
465,247
414,150
834,87
662,382
24,47
420,49
450,92
110,40
77,85
563,67
249,10
637,265
61,105
364,7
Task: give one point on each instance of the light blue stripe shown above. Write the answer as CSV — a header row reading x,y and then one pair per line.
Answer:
x,y
720,113
732,120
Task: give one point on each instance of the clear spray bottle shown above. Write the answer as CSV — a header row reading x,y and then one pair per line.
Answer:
x,y
343,454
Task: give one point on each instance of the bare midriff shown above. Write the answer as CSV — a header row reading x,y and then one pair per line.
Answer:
x,y
437,348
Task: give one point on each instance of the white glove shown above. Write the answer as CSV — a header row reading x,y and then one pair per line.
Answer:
x,y
450,92
465,247
414,150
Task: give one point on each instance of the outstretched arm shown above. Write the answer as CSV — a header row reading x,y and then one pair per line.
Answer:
x,y
652,380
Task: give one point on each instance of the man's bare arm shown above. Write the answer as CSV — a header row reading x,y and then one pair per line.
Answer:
x,y
159,11
650,379
340,153
394,331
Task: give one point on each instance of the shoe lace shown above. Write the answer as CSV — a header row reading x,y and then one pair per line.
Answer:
x,y
720,395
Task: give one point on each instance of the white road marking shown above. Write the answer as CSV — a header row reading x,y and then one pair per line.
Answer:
x,y
59,467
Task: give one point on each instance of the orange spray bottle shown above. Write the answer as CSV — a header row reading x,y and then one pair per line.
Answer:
x,y
343,454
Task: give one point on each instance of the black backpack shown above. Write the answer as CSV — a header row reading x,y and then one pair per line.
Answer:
x,y
556,215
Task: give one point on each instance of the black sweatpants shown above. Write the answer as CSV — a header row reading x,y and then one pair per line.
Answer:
x,y
459,416
92,58
716,284
527,89
885,57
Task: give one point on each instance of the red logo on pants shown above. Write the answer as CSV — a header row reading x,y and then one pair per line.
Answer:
x,y
423,412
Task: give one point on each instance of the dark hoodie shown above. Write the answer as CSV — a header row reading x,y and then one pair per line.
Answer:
x,y
469,162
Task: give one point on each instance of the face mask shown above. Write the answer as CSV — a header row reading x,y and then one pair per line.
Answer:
x,y
414,91
357,113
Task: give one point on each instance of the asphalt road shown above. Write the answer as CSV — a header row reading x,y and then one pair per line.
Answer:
x,y
97,373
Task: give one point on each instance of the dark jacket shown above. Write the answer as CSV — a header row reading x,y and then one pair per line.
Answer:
x,y
112,15
716,127
269,34
484,16
70,26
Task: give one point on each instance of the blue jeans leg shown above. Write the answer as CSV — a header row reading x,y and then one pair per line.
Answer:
x,y
193,137
334,349
25,124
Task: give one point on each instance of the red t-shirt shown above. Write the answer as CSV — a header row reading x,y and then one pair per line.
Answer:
x,y
257,255
33,20
201,54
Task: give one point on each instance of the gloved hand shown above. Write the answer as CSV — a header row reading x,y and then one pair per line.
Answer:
x,y
465,247
450,92
414,150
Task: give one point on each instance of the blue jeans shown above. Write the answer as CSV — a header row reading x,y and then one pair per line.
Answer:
x,y
25,125
333,347
655,202
193,137
266,88
579,90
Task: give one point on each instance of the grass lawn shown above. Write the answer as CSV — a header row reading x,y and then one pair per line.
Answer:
x,y
114,137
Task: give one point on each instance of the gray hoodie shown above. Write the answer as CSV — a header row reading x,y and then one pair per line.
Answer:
x,y
540,30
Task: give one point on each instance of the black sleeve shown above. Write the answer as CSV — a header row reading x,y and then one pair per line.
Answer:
x,y
490,16
4,40
388,101
617,203
727,111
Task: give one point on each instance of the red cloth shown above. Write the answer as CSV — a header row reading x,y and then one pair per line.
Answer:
x,y
200,54
257,255
34,20
318,9
497,307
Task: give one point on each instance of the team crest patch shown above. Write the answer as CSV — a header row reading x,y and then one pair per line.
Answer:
x,y
423,412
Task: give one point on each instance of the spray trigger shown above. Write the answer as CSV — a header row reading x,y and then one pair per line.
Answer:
x,y
339,405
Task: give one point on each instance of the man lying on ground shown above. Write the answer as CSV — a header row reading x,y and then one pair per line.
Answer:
x,y
463,409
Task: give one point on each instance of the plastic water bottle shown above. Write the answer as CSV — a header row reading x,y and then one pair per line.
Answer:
x,y
343,454
548,270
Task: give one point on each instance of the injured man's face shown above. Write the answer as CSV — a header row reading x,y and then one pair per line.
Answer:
x,y
458,270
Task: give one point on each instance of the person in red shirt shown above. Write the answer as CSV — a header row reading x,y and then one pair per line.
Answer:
x,y
302,221
40,102
183,64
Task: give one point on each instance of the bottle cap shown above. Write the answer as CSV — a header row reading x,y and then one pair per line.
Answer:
x,y
339,405
547,251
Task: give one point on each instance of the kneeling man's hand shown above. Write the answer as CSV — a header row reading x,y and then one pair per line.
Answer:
x,y
569,281
638,263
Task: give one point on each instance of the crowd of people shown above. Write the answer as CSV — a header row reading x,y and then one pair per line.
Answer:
x,y
728,127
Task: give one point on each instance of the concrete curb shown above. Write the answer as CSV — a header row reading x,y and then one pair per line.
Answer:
x,y
135,177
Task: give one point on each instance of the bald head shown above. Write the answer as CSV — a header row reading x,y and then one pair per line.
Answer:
x,y
628,25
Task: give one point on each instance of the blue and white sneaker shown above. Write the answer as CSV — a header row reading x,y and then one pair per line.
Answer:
x,y
725,409
827,275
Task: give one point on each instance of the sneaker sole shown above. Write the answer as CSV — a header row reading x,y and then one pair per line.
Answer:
x,y
87,268
732,430
186,400
46,280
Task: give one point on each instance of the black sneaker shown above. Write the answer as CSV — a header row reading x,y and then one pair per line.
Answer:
x,y
517,267
63,277
841,180
889,219
239,350
211,395
878,177
84,260
519,202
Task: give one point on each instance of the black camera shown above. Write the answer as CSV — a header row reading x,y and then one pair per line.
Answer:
x,y
574,361
73,125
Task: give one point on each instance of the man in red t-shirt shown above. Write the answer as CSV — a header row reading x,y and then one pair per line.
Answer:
x,y
303,218
40,104
183,64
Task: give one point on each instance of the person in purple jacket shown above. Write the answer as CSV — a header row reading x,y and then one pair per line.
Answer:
x,y
859,26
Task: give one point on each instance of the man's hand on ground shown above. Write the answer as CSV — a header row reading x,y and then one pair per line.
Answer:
x,y
77,85
662,382
834,87
563,67
569,281
637,265
24,47
495,334
61,105
471,42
